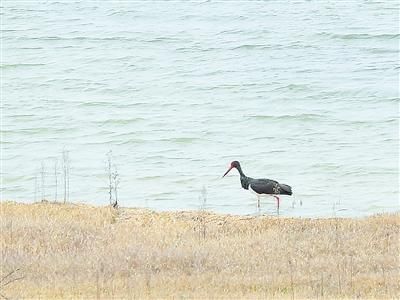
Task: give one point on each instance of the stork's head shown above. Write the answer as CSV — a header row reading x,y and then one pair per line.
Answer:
x,y
234,164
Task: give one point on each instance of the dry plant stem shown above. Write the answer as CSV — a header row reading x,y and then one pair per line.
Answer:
x,y
8,275
36,186
322,285
65,166
65,177
109,172
55,180
351,274
291,278
115,183
68,178
97,286
11,280
11,231
43,174
6,280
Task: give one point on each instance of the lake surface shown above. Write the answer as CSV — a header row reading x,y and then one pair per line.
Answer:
x,y
303,92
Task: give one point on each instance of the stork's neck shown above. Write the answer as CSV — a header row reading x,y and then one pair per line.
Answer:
x,y
240,172
244,180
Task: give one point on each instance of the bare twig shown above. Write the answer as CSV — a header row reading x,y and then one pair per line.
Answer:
x,y
113,180
36,186
56,178
65,168
97,285
351,274
202,222
109,172
116,180
12,280
43,175
4,283
8,275
322,285
11,232
68,177
291,278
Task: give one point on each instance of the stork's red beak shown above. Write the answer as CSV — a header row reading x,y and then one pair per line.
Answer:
x,y
230,168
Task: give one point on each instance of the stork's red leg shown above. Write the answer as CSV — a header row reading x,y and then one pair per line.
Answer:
x,y
277,201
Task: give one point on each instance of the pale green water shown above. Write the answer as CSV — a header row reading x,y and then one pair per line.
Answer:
x,y
305,93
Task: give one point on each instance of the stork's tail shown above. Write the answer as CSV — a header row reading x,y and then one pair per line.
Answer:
x,y
285,189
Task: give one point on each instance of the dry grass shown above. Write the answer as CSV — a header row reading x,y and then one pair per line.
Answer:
x,y
79,251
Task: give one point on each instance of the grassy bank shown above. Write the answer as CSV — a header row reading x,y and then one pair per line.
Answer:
x,y
80,251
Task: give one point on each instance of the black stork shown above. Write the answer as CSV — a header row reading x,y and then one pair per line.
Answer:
x,y
261,186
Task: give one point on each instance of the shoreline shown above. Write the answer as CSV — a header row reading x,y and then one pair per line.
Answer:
x,y
206,210
77,250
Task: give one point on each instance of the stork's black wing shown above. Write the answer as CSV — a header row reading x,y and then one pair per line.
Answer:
x,y
268,186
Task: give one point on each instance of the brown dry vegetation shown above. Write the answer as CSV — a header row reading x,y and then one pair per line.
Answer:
x,y
80,251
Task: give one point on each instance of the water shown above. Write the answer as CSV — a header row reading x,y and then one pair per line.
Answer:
x,y
305,93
